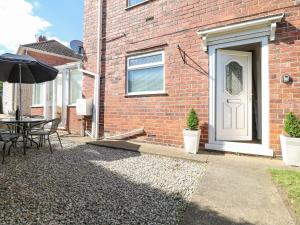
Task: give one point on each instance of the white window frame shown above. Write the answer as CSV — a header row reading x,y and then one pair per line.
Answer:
x,y
33,104
146,66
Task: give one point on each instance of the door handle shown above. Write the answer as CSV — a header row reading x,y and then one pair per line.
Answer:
x,y
233,100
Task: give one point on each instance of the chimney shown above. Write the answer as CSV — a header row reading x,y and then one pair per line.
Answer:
x,y
41,38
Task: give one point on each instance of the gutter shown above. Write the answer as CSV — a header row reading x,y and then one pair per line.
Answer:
x,y
95,125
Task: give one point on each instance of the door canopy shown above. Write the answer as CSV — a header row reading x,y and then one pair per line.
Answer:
x,y
259,27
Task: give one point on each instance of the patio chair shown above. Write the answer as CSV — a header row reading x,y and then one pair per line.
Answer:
x,y
43,133
8,136
3,128
39,126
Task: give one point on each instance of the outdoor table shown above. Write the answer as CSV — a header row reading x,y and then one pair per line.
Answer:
x,y
24,124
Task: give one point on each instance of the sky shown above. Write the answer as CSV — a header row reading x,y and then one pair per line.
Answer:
x,y
22,20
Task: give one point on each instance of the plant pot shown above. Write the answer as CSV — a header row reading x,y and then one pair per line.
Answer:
x,y
191,140
290,148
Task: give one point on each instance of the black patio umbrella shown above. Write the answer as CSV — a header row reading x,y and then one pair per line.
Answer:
x,y
24,69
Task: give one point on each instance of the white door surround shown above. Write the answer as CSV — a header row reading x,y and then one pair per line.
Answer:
x,y
254,31
234,96
56,98
60,88
259,27
246,148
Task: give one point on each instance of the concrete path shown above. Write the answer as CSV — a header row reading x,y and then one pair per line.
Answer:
x,y
237,190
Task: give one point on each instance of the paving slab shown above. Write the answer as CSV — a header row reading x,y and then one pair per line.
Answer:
x,y
237,190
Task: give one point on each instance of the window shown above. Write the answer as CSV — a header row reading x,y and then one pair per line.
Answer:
x,y
38,94
145,74
75,86
135,2
234,78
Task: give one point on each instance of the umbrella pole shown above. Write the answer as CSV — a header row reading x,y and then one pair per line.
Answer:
x,y
20,88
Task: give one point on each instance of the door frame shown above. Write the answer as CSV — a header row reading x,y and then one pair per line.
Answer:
x,y
248,80
246,148
50,106
64,96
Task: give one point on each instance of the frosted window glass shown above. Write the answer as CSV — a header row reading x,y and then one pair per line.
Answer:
x,y
234,78
144,80
38,94
146,60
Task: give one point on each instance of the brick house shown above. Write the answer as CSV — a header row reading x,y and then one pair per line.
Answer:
x,y
226,59
48,99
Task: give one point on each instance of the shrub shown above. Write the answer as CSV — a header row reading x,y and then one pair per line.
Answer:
x,y
192,120
292,125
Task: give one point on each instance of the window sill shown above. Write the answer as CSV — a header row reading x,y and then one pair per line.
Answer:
x,y
137,5
146,94
37,106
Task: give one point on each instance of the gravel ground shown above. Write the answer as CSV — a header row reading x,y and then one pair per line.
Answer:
x,y
84,184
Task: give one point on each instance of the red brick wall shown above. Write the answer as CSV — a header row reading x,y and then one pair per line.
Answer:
x,y
73,121
90,50
37,111
284,59
88,92
176,22
90,34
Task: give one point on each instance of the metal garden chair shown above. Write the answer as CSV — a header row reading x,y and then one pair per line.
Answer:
x,y
9,135
45,133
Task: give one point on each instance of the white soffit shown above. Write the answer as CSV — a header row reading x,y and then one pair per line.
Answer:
x,y
72,65
265,26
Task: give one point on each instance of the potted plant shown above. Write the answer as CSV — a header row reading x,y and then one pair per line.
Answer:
x,y
290,145
191,134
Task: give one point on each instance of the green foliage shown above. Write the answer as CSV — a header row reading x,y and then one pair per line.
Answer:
x,y
292,125
289,181
192,120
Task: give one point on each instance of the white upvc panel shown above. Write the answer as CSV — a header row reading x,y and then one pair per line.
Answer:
x,y
247,148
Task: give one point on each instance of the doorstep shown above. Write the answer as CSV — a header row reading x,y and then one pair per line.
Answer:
x,y
153,149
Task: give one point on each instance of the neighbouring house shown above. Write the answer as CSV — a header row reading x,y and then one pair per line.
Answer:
x,y
50,99
236,62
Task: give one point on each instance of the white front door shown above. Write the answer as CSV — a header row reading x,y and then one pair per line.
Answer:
x,y
234,96
55,102
59,107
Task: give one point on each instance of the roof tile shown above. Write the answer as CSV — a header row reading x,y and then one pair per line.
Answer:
x,y
53,46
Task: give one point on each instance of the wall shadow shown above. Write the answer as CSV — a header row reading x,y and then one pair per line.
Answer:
x,y
197,215
122,149
286,33
116,154
103,68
